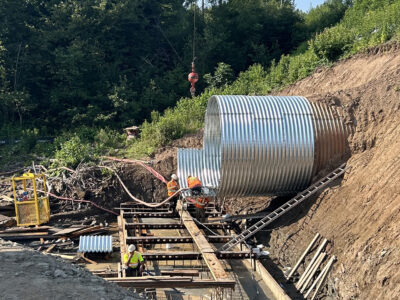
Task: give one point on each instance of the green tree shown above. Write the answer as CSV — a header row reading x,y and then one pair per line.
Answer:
x,y
223,75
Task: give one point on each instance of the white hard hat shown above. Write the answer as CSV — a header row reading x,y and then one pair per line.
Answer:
x,y
174,177
131,248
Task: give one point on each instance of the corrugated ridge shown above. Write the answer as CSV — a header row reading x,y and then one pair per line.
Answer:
x,y
95,243
330,136
260,145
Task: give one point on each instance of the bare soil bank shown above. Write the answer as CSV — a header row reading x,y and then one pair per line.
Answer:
x,y
360,216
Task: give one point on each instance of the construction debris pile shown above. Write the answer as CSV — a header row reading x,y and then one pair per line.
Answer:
x,y
48,239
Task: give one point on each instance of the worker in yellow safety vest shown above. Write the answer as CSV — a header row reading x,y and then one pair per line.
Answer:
x,y
134,263
172,188
195,186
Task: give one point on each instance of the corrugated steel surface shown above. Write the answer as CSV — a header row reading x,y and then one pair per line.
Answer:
x,y
330,135
259,145
190,162
95,243
267,144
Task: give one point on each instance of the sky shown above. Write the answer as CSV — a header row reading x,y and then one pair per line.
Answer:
x,y
305,5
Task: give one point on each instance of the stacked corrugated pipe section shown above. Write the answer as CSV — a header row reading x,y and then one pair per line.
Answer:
x,y
263,145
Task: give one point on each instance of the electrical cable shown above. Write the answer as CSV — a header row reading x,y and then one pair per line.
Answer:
x,y
138,200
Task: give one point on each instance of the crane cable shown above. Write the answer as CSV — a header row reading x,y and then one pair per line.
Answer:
x,y
194,34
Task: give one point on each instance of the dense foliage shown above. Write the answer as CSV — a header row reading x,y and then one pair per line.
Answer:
x,y
367,23
68,68
65,64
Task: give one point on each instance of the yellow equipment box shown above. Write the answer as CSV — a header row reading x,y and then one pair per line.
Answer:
x,y
31,200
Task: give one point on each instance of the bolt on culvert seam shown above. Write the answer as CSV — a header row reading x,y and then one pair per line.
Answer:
x,y
263,145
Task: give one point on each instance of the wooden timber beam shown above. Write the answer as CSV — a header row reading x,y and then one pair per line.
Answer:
x,y
122,235
175,255
27,236
170,282
215,266
181,272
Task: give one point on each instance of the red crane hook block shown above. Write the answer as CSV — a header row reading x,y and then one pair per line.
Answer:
x,y
193,77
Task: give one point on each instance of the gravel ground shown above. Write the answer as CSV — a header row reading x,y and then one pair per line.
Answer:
x,y
28,274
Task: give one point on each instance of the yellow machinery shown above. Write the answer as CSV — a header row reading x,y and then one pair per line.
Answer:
x,y
31,200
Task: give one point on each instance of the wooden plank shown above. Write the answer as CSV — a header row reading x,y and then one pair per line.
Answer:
x,y
69,230
21,234
69,257
121,226
181,272
48,250
215,266
30,237
88,260
31,229
119,270
170,282
105,274
269,281
85,231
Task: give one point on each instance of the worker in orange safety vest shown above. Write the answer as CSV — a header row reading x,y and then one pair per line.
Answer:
x,y
172,188
195,186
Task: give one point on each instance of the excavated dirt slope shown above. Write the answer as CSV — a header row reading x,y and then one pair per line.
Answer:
x,y
361,215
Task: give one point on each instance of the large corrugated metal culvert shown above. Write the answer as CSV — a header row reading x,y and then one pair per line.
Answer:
x,y
263,145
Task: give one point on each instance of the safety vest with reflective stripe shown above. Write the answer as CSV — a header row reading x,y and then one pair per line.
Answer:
x,y
193,182
172,187
136,258
201,202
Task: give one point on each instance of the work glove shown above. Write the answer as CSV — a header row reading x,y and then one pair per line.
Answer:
x,y
125,267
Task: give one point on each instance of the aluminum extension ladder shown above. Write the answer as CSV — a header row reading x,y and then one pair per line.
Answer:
x,y
284,208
